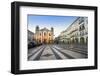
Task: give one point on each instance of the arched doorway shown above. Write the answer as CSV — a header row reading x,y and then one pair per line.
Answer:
x,y
82,40
86,40
76,40
44,41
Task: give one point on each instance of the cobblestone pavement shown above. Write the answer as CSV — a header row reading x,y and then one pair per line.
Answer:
x,y
53,52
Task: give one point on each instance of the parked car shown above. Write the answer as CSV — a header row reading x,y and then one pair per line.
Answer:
x,y
31,45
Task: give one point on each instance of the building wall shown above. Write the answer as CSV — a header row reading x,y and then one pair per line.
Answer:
x,y
44,36
30,36
77,32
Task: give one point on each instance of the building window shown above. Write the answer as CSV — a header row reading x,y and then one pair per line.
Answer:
x,y
40,34
82,40
49,34
44,34
82,33
82,27
86,33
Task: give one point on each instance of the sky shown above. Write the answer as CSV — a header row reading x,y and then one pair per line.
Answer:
x,y
59,23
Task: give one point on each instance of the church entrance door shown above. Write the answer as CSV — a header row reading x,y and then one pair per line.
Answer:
x,y
44,41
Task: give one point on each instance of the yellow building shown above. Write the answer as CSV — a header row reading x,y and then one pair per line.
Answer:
x,y
44,35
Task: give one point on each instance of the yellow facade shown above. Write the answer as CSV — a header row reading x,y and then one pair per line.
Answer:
x,y
44,35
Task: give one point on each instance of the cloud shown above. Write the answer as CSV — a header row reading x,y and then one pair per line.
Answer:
x,y
31,28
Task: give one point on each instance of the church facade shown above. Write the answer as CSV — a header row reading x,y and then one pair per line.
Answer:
x,y
44,35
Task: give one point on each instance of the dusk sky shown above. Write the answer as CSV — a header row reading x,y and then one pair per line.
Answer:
x,y
59,23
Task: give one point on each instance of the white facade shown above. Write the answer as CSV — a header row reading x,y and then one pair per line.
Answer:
x,y
77,32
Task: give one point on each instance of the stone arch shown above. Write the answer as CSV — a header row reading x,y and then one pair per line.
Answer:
x,y
76,40
72,41
82,41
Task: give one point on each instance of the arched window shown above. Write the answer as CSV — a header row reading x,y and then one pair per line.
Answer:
x,y
80,28
83,27
49,34
44,34
82,40
40,34
76,40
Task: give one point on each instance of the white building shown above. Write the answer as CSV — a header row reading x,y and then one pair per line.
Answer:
x,y
83,29
77,32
